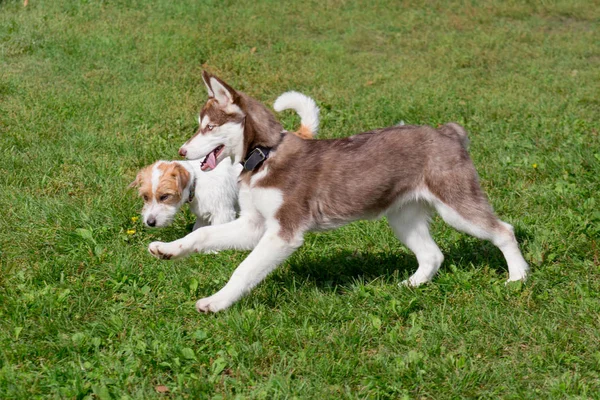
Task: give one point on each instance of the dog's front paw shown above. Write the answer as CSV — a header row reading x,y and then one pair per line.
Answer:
x,y
521,277
212,304
414,281
161,250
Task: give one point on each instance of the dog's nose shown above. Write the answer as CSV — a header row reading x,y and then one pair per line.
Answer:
x,y
151,221
182,152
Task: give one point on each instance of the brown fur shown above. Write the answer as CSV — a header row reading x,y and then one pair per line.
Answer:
x,y
173,179
333,181
304,132
172,182
143,181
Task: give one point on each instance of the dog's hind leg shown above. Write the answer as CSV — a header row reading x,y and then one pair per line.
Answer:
x,y
482,223
411,226
459,200
266,256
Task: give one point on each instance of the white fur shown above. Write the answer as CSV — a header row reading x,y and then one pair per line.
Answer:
x,y
224,97
208,89
215,196
216,192
410,223
256,229
305,107
221,94
270,251
230,135
409,219
203,122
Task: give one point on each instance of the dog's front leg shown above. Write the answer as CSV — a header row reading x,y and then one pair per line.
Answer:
x,y
241,234
266,256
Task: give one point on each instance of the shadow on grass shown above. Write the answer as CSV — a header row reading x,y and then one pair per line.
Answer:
x,y
345,266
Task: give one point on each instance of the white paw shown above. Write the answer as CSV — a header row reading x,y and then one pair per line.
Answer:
x,y
414,281
212,304
162,250
520,275
517,278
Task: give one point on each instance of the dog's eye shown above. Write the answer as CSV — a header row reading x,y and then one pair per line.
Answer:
x,y
145,197
210,127
164,197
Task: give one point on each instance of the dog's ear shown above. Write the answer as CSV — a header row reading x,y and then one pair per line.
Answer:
x,y
182,175
223,93
137,181
206,78
139,178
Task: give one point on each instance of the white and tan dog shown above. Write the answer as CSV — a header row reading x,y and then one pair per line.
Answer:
x,y
291,186
166,186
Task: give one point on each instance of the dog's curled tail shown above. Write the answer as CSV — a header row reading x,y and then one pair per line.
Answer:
x,y
305,107
457,131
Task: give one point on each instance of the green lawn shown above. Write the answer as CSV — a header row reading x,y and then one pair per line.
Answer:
x,y
90,91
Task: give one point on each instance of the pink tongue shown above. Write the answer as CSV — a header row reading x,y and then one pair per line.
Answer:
x,y
211,160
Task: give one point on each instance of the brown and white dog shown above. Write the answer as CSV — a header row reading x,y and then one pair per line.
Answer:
x,y
401,172
166,186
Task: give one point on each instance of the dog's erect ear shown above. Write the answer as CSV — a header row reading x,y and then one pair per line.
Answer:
x,y
219,90
224,94
206,78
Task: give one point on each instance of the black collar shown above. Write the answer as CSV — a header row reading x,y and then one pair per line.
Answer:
x,y
257,155
192,191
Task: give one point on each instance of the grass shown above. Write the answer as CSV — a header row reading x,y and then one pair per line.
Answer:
x,y
90,91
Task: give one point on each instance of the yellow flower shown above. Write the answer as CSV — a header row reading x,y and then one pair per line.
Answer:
x,y
534,165
130,231
134,219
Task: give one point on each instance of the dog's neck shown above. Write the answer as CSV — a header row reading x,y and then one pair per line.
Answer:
x,y
261,128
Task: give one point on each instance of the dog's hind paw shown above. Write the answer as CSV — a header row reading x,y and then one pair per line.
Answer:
x,y
157,249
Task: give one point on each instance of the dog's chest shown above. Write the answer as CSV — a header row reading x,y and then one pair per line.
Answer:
x,y
263,200
266,201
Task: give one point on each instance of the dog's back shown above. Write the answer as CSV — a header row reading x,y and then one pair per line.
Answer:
x,y
216,191
363,175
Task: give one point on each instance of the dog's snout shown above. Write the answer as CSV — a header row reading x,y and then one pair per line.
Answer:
x,y
151,221
182,151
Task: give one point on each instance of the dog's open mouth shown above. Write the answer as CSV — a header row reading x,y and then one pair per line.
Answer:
x,y
210,161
